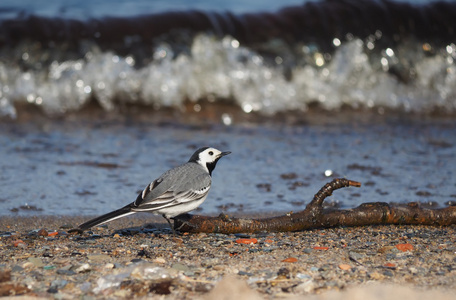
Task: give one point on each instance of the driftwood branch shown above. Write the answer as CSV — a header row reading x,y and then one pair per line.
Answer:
x,y
315,216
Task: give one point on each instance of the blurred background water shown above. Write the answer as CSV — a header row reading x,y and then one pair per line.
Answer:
x,y
97,98
62,55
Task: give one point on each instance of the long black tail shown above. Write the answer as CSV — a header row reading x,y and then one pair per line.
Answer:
x,y
121,212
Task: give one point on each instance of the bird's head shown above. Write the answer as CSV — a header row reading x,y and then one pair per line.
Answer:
x,y
207,157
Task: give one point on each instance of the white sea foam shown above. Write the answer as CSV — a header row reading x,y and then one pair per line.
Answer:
x,y
224,69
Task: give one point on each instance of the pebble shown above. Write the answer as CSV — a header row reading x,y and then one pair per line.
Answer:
x,y
344,267
99,257
404,247
441,273
388,273
219,267
83,268
109,266
243,273
210,262
389,265
65,272
85,287
37,262
59,283
269,249
147,271
376,276
28,265
43,232
321,248
307,287
159,260
19,243
391,256
198,262
189,273
122,293
109,281
33,233
356,256
247,241
290,260
67,266
386,249
180,267
303,276
17,268
242,235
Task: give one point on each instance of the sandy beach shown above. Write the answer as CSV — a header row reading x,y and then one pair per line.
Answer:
x,y
139,257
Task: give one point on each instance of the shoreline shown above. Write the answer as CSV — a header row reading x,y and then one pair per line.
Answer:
x,y
139,257
210,113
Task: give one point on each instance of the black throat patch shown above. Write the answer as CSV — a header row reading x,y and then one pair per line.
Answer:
x,y
211,166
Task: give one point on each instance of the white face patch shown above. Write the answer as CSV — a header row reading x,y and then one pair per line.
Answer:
x,y
208,156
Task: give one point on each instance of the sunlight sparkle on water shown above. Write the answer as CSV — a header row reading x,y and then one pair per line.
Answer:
x,y
328,172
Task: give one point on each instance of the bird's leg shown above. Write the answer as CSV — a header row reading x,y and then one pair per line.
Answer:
x,y
170,225
182,218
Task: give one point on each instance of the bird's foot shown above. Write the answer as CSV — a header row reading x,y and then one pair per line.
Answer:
x,y
184,223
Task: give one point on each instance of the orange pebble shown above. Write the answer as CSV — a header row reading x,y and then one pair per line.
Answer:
x,y
404,247
268,241
321,248
247,241
290,260
18,243
390,265
344,267
53,233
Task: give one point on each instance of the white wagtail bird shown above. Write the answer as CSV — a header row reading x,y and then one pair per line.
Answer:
x,y
175,192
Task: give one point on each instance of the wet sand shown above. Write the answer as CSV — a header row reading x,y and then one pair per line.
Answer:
x,y
139,257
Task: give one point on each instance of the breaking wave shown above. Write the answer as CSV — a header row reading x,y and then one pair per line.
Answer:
x,y
371,54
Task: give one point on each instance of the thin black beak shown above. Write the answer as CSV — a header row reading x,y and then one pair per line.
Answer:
x,y
224,153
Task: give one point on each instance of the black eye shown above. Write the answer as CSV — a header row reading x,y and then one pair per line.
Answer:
x,y
211,153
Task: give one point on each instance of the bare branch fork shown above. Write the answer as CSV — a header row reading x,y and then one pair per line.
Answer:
x,y
315,216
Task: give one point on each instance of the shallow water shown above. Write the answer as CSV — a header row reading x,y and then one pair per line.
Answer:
x,y
91,165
